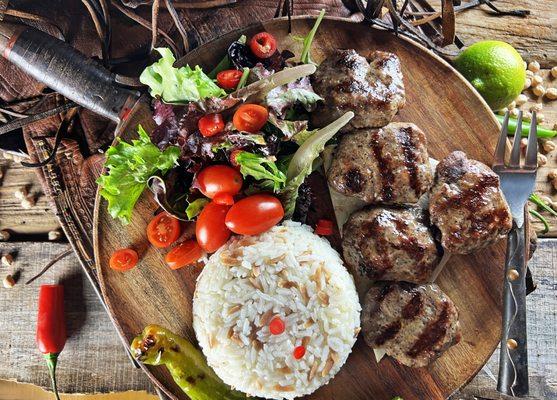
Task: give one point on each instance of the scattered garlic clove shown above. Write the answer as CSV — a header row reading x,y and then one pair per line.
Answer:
x,y
538,90
537,107
540,117
4,235
554,72
552,174
514,112
542,160
548,145
527,83
20,193
537,80
8,282
54,235
534,66
503,111
7,260
521,99
527,116
551,93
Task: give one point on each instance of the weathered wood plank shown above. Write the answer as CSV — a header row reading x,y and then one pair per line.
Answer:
x,y
37,220
535,37
93,360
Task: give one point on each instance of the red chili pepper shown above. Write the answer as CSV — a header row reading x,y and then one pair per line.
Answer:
x,y
51,327
324,227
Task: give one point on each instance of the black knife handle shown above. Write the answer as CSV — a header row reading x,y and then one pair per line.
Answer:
x,y
65,70
513,356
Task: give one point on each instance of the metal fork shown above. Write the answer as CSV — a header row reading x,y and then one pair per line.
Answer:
x,y
517,183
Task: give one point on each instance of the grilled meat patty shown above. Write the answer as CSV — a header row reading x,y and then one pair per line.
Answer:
x,y
467,204
348,82
389,165
413,323
390,244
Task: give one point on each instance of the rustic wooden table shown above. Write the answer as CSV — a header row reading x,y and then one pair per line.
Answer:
x,y
94,361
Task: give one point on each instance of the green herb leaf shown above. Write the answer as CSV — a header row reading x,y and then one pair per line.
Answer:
x,y
280,99
301,164
129,167
260,168
542,219
195,207
305,57
178,85
537,200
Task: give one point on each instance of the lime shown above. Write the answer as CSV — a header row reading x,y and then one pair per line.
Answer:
x,y
495,69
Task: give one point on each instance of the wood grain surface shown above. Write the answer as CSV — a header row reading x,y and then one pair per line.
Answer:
x,y
94,362
453,117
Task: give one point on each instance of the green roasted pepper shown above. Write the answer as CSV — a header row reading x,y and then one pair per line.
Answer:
x,y
187,365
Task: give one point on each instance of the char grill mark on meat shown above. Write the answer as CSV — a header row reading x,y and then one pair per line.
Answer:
x,y
390,244
373,89
380,165
412,323
385,170
467,205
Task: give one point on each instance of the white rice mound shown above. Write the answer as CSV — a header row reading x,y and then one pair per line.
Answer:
x,y
288,272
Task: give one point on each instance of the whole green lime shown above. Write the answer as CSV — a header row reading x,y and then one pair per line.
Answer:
x,y
495,69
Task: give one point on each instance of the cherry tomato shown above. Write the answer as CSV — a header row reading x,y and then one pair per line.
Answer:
x,y
123,259
254,214
229,79
183,254
232,158
163,230
276,326
299,352
263,45
210,230
224,198
219,179
211,125
250,118
324,227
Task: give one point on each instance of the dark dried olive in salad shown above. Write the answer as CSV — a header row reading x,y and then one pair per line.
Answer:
x,y
240,55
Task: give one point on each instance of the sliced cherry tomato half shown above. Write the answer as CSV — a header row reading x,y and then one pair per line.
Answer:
x,y
210,125
163,230
229,79
185,253
263,45
250,118
232,158
324,227
254,214
224,198
219,179
210,229
123,259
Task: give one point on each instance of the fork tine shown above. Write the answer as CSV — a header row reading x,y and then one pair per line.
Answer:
x,y
531,159
515,152
502,143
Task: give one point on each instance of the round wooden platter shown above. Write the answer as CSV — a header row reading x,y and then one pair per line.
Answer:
x,y
453,116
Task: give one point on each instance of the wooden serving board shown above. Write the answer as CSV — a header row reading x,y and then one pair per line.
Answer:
x,y
453,116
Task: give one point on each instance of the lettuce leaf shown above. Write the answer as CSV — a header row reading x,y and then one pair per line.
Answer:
x,y
282,98
260,168
302,163
129,166
178,85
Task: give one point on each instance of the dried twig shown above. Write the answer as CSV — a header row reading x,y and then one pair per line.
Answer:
x,y
34,17
99,26
176,18
59,257
146,24
154,22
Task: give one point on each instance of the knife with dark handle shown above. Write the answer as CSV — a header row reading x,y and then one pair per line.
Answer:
x,y
65,70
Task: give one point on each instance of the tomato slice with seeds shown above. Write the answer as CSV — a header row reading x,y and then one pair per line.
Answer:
x,y
263,45
183,254
163,230
210,125
123,259
229,78
250,117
